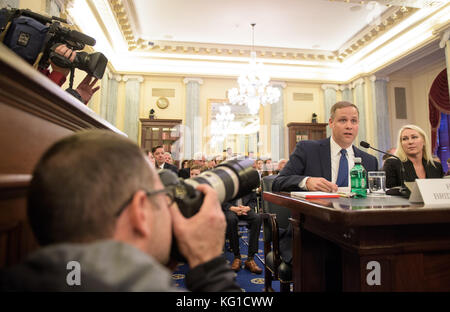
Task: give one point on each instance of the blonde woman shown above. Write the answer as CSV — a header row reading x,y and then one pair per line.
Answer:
x,y
414,150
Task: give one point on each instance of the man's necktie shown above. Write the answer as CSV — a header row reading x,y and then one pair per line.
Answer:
x,y
342,179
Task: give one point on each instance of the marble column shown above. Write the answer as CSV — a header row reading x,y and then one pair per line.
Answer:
x,y
358,85
277,124
193,121
381,124
108,100
10,3
347,93
132,99
329,96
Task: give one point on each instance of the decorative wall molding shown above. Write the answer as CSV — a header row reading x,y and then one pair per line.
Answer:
x,y
444,38
374,78
116,77
281,84
132,77
189,79
124,12
330,86
346,86
357,82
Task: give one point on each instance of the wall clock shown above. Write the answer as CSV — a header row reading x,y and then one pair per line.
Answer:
x,y
162,102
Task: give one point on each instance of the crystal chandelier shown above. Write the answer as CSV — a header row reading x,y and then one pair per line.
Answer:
x,y
254,86
222,124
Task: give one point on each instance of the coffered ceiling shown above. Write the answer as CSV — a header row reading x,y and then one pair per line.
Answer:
x,y
324,40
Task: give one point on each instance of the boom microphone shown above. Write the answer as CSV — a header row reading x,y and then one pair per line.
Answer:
x,y
402,190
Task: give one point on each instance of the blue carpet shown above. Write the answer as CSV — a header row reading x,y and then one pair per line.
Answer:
x,y
248,281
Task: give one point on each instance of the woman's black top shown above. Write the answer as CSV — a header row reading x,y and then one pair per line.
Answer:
x,y
394,174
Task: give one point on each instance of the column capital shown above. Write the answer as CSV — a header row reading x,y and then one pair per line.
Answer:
x,y
444,38
133,77
281,84
111,76
346,86
192,79
330,86
357,82
374,78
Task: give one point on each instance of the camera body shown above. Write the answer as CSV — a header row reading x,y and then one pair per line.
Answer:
x,y
34,37
231,179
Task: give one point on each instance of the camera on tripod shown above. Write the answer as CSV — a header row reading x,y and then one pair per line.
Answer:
x,y
231,179
34,37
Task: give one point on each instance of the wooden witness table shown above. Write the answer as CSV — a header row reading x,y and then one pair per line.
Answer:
x,y
372,244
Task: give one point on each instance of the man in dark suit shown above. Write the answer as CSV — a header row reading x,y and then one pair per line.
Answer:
x,y
324,165
243,209
160,160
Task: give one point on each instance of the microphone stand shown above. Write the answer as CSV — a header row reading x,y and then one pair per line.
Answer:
x,y
398,191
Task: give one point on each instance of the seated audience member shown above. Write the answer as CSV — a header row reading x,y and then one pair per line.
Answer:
x,y
184,172
150,157
259,166
243,209
267,168
113,219
168,158
414,150
211,163
324,165
195,171
160,159
281,163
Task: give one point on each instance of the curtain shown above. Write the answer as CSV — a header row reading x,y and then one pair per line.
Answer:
x,y
443,149
438,102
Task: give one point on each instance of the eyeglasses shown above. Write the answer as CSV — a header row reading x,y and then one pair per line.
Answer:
x,y
169,194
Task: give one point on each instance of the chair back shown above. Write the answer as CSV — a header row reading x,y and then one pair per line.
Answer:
x,y
283,214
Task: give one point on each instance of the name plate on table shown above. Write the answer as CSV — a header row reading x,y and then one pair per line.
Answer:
x,y
432,192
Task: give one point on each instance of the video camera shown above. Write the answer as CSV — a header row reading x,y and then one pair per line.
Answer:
x,y
231,179
35,37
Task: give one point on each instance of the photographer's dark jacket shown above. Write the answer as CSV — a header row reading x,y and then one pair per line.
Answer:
x,y
109,266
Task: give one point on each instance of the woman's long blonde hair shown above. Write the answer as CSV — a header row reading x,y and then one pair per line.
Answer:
x,y
426,152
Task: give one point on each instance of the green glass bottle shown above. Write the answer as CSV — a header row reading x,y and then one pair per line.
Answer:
x,y
358,178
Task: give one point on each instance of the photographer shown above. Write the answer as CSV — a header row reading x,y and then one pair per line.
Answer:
x,y
58,75
115,219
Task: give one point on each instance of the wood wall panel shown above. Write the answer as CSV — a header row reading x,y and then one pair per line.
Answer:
x,y
34,113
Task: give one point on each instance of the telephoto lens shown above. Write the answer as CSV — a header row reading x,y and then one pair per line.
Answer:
x,y
231,179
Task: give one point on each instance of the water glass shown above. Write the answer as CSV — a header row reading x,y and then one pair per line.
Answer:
x,y
377,182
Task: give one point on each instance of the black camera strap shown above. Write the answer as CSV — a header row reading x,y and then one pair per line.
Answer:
x,y
72,75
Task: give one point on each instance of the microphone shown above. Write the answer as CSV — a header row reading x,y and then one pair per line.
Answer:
x,y
402,190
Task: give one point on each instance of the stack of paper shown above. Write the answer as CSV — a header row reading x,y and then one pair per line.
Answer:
x,y
309,195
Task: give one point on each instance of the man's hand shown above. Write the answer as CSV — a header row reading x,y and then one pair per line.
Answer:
x,y
320,184
67,53
86,88
244,210
201,238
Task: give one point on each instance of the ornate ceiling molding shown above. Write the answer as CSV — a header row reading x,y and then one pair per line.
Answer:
x,y
126,19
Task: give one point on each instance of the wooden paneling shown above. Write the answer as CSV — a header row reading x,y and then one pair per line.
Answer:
x,y
34,113
305,131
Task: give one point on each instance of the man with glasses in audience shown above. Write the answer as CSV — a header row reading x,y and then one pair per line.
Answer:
x,y
99,210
